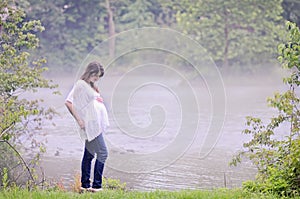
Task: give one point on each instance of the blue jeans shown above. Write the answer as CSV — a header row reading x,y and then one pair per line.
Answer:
x,y
98,147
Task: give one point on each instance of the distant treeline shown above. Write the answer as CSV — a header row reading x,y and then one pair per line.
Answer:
x,y
238,33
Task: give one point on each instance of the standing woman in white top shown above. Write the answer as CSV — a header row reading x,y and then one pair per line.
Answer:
x,y
86,106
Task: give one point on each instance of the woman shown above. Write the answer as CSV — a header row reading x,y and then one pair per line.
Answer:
x,y
86,106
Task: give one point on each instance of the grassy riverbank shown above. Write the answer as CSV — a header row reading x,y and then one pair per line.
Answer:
x,y
108,194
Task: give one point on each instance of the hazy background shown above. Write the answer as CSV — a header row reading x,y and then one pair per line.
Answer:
x,y
239,36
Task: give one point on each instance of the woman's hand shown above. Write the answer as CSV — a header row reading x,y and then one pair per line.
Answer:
x,y
81,124
99,99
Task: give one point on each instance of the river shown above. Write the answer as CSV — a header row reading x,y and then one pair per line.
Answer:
x,y
144,161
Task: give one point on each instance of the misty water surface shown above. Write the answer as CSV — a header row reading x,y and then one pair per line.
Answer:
x,y
245,96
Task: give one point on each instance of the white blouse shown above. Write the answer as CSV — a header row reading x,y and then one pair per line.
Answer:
x,y
89,109
101,112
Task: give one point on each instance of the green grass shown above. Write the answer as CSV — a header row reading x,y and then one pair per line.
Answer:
x,y
111,194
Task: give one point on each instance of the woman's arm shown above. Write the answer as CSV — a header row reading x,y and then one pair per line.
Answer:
x,y
73,113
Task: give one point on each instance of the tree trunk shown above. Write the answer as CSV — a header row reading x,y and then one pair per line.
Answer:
x,y
225,55
111,30
226,37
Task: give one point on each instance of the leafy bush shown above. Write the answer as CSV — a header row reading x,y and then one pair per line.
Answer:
x,y
19,117
278,160
115,184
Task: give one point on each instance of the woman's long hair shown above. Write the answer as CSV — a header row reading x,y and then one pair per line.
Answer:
x,y
93,68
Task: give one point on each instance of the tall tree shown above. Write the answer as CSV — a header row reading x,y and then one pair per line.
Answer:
x,y
137,14
111,28
73,29
233,31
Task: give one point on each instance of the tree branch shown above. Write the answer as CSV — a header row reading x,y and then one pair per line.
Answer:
x,y
238,26
6,129
21,158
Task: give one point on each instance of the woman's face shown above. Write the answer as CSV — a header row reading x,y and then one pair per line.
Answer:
x,y
94,77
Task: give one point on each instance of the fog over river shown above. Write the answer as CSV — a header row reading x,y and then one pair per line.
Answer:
x,y
160,135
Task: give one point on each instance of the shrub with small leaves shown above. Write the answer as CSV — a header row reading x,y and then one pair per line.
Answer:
x,y
19,74
278,160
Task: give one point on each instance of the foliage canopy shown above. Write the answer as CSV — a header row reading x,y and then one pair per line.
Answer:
x,y
242,33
